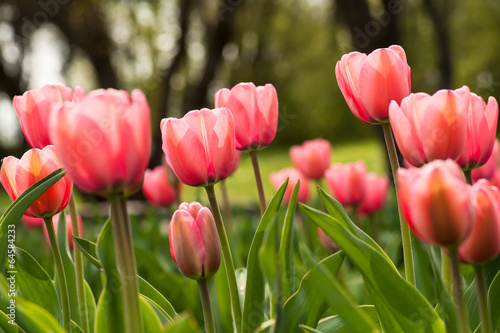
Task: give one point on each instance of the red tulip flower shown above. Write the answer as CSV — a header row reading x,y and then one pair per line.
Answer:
x,y
370,82
481,131
17,175
69,228
104,140
157,189
376,190
255,111
31,222
435,201
200,147
312,158
347,182
483,242
433,127
35,106
194,245
488,169
293,175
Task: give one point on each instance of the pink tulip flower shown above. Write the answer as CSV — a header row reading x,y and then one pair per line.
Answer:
x,y
104,140
435,201
483,242
370,82
194,245
255,111
312,158
481,131
157,189
32,222
347,182
433,127
35,106
487,170
200,147
69,228
376,190
17,175
293,175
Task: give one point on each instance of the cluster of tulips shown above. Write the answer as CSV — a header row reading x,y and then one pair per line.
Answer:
x,y
102,140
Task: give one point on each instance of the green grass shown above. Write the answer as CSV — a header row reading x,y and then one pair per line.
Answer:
x,y
241,186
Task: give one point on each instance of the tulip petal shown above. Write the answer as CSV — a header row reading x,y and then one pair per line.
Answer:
x,y
267,118
8,176
206,225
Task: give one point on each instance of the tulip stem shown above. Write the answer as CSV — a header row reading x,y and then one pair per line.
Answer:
x,y
486,325
258,180
227,257
446,273
468,176
463,325
207,307
125,260
60,274
405,231
80,279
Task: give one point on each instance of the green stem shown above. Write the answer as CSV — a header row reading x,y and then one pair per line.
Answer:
x,y
258,180
60,274
446,273
125,259
463,325
207,307
468,176
405,231
486,325
227,257
80,279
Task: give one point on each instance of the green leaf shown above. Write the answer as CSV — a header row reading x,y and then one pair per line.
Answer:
x,y
29,316
335,324
152,323
390,292
89,250
184,324
109,313
307,305
34,284
494,301
339,300
16,210
8,325
308,329
286,246
253,309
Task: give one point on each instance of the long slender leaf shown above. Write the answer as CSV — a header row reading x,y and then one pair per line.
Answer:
x,y
494,301
335,324
152,323
286,246
253,309
306,305
8,325
412,312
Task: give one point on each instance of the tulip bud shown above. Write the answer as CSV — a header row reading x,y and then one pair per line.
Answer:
x,y
483,242
279,177
194,245
347,182
17,176
312,158
157,189
370,82
435,201
375,197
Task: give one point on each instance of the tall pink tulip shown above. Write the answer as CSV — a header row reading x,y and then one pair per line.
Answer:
x,y
104,140
370,82
157,189
312,158
481,131
255,111
200,147
17,175
35,106
194,245
293,175
347,182
433,127
483,242
435,201
376,189
488,169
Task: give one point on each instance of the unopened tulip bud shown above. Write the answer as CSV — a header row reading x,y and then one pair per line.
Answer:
x,y
194,245
312,158
347,182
